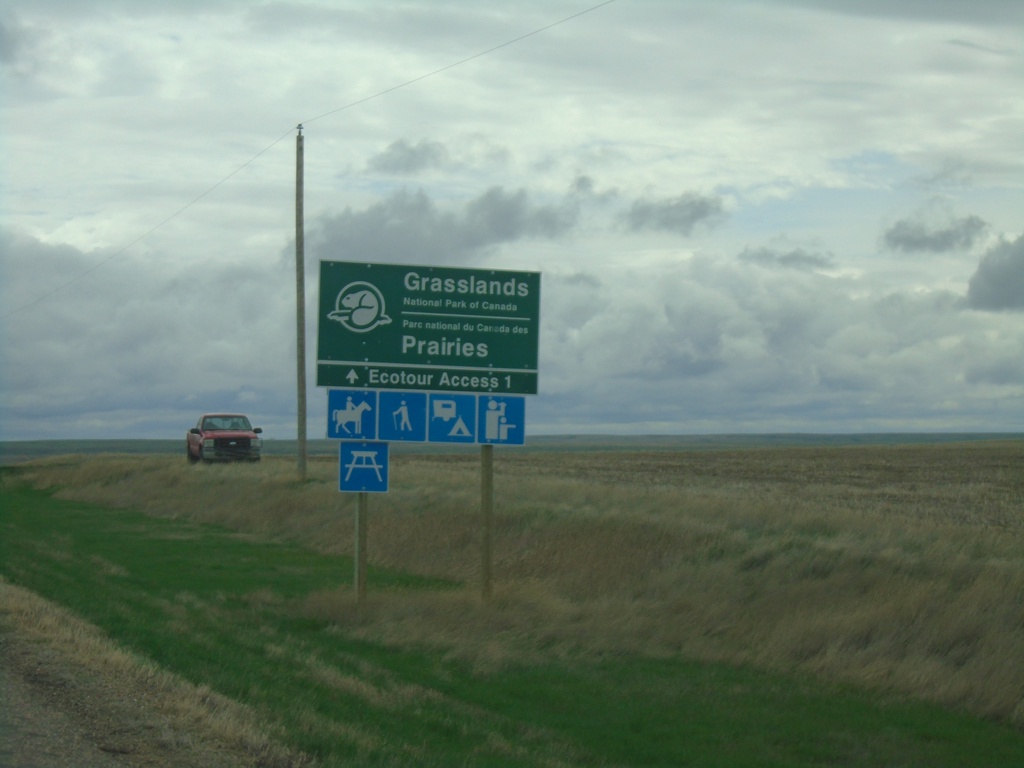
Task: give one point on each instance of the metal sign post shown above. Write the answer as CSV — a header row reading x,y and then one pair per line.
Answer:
x,y
359,579
487,519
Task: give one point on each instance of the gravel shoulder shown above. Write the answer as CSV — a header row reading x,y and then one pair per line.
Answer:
x,y
71,697
41,722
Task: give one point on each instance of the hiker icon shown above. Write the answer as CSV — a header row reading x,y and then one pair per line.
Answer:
x,y
403,417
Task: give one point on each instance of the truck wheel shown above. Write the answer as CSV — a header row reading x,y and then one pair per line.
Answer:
x,y
191,459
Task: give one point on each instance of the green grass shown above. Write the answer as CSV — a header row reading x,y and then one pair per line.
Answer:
x,y
233,612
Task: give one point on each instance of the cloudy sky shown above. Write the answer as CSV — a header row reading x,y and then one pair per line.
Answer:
x,y
750,216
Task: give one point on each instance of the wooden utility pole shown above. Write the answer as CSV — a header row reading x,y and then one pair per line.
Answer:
x,y
300,304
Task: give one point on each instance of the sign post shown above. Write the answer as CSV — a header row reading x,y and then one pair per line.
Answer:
x,y
363,468
487,519
359,577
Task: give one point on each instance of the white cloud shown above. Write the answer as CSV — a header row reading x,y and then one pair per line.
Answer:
x,y
401,157
999,282
749,216
935,229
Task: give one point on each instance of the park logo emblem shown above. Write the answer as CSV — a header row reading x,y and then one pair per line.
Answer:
x,y
360,307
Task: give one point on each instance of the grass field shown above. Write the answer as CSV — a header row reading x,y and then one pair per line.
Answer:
x,y
792,606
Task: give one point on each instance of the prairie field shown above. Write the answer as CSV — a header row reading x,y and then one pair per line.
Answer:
x,y
891,568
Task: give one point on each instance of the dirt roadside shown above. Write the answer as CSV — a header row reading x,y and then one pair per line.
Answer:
x,y
43,723
71,697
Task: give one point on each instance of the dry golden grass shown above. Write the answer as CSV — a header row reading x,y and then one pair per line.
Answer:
x,y
895,567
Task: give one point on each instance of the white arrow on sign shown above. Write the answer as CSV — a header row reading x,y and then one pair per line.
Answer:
x,y
352,377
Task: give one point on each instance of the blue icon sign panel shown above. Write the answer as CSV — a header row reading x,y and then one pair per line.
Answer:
x,y
352,414
402,416
435,417
451,418
501,419
363,467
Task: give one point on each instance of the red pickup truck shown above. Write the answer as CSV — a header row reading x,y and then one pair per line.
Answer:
x,y
223,437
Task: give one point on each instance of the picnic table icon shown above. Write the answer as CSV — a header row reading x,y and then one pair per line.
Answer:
x,y
363,460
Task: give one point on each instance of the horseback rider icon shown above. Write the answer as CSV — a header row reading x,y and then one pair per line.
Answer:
x,y
351,414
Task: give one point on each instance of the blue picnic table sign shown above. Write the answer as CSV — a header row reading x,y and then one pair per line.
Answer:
x,y
363,466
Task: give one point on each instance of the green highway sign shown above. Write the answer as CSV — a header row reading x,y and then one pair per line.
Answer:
x,y
388,326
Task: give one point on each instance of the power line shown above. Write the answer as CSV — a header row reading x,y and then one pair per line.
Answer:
x,y
144,235
278,140
460,62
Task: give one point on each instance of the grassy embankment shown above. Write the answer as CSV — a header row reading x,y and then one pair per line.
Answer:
x,y
895,569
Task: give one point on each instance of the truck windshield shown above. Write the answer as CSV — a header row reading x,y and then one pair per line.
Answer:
x,y
213,423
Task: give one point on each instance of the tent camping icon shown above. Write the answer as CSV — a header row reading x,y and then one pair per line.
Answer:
x,y
446,410
453,418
